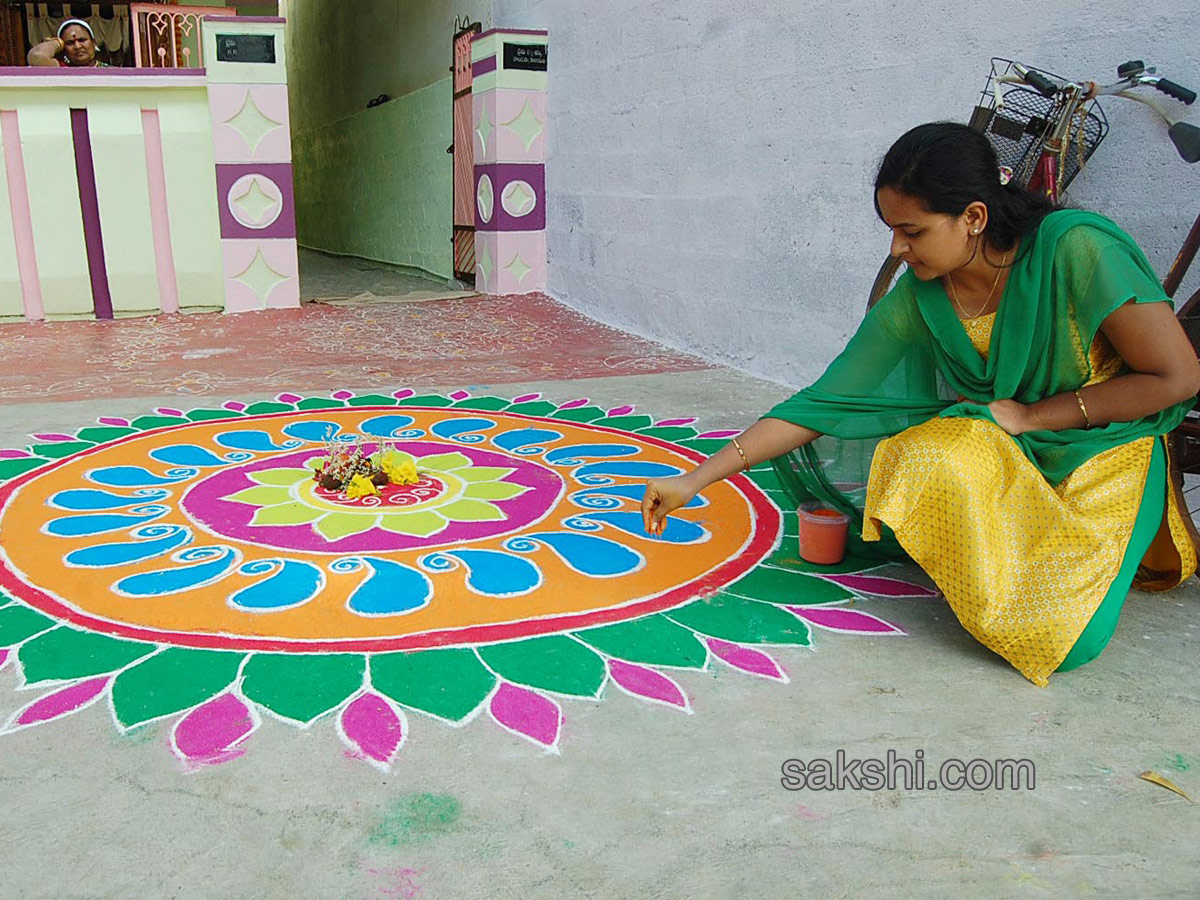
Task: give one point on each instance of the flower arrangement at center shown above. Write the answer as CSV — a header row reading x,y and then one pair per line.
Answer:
x,y
352,471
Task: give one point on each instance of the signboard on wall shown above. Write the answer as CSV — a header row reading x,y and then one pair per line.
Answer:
x,y
246,48
531,57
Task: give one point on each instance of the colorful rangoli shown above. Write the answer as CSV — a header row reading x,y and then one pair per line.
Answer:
x,y
193,566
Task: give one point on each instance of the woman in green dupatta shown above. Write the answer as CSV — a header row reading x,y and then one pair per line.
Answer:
x,y
1010,396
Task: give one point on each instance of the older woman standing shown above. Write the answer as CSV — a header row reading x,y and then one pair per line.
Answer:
x,y
74,47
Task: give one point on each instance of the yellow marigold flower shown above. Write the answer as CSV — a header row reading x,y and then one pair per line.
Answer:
x,y
400,468
405,473
360,486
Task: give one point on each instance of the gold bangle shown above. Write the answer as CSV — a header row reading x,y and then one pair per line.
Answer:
x,y
741,453
1087,421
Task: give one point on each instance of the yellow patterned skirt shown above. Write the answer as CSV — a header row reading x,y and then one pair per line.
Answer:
x,y
1023,564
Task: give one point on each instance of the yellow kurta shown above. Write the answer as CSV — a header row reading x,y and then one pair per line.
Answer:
x,y
1023,564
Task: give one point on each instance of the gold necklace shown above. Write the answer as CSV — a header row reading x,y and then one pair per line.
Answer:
x,y
987,302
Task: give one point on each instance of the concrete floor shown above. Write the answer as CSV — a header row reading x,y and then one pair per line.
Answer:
x,y
326,277
644,802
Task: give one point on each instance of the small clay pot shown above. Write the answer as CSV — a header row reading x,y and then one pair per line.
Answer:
x,y
330,483
823,534
379,479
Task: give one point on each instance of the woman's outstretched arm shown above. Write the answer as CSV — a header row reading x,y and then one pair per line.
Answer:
x,y
765,439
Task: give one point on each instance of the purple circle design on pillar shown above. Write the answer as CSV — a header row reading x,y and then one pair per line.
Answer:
x,y
519,198
255,201
485,197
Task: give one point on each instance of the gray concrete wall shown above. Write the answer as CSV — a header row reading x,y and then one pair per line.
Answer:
x,y
710,166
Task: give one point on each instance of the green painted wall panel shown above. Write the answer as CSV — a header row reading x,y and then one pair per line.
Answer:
x,y
49,152
12,304
192,201
378,184
342,53
118,151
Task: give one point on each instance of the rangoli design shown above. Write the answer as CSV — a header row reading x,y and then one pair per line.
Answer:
x,y
202,567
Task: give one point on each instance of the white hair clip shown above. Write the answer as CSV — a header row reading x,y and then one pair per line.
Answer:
x,y
1006,174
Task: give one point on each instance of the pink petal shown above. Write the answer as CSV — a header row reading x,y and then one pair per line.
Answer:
x,y
620,410
235,405
113,420
53,436
59,703
753,662
572,404
525,398
14,454
880,586
403,393
373,729
168,411
4,654
647,684
721,433
289,398
531,715
686,421
847,621
342,395
211,732
459,395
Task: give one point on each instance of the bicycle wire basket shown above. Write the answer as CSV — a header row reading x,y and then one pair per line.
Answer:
x,y
1018,129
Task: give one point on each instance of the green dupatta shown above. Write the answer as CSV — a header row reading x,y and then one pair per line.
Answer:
x,y
911,359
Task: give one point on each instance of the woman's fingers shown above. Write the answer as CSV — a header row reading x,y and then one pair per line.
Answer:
x,y
662,497
650,501
658,519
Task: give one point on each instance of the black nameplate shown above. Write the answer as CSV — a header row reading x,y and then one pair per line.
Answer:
x,y
531,57
246,48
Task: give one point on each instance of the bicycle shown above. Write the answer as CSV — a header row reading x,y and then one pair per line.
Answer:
x,y
1044,130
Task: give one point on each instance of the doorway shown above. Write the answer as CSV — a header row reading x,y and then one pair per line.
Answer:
x,y
463,150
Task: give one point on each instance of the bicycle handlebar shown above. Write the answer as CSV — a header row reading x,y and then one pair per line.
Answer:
x,y
1132,74
1039,82
1178,91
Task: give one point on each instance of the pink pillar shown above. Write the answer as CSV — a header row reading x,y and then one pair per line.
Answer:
x,y
509,115
248,100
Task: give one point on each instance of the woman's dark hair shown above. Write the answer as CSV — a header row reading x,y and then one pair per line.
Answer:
x,y
947,166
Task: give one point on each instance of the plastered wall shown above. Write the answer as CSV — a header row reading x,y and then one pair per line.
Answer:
x,y
709,165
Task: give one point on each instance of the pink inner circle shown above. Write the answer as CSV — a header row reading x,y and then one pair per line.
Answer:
x,y
206,505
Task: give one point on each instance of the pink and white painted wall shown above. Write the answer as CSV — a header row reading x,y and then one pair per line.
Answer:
x,y
509,99
127,193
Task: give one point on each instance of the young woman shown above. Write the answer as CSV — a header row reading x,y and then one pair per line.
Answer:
x,y
1011,394
74,46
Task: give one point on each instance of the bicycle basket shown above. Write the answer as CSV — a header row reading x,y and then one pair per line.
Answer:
x,y
1017,130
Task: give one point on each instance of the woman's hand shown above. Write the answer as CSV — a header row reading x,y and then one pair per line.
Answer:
x,y
45,53
663,496
765,439
1015,418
